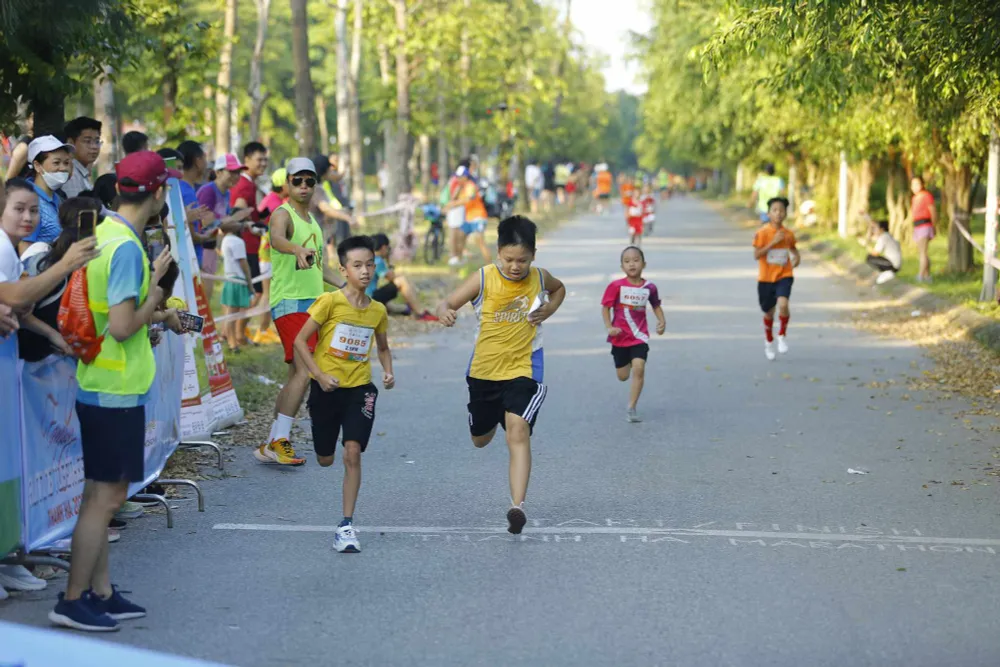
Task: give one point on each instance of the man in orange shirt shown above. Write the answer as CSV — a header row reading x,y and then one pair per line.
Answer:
x,y
774,250
603,192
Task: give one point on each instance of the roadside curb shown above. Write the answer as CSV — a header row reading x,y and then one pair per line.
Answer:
x,y
983,329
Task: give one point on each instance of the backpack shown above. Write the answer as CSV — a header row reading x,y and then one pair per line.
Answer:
x,y
76,322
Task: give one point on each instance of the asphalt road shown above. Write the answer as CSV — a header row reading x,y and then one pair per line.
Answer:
x,y
723,530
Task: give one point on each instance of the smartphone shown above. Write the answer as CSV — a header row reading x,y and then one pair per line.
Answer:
x,y
86,220
311,260
191,322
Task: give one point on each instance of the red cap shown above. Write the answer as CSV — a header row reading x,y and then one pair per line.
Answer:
x,y
146,170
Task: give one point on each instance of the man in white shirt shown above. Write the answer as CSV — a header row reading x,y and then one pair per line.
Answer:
x,y
85,136
887,256
533,181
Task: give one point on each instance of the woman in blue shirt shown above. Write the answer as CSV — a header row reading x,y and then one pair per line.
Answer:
x,y
51,161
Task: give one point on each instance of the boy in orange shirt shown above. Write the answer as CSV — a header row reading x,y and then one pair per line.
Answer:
x,y
774,249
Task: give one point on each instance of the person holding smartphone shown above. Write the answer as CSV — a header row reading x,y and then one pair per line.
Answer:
x,y
214,196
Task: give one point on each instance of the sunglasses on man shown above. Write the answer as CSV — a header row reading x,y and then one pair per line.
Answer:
x,y
299,180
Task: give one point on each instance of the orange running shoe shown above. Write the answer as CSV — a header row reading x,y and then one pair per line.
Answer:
x,y
279,452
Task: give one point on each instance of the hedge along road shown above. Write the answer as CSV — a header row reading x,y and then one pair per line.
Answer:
x,y
723,530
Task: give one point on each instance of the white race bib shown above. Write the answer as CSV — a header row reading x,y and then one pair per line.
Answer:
x,y
635,298
351,342
777,256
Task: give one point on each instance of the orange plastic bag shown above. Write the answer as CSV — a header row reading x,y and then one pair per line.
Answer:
x,y
76,322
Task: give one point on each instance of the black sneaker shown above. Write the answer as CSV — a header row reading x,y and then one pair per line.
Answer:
x,y
516,520
82,614
117,523
117,607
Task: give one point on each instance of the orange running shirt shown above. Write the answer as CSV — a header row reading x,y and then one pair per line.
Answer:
x,y
776,263
921,207
604,181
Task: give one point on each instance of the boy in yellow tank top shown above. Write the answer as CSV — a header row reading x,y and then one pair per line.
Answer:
x,y
342,397
511,299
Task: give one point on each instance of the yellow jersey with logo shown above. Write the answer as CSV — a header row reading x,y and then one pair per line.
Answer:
x,y
507,346
346,335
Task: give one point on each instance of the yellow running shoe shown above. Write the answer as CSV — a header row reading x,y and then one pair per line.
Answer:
x,y
280,452
266,337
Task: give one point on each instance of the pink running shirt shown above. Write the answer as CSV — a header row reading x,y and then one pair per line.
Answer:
x,y
628,303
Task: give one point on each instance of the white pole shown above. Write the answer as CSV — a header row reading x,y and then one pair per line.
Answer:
x,y
842,197
988,292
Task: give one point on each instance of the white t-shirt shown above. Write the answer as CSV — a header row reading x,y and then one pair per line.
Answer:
x,y
233,250
888,247
533,177
10,264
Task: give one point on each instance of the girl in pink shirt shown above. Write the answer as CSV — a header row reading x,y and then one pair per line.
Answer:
x,y
624,311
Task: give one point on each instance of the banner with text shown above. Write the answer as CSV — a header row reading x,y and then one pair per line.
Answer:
x,y
10,447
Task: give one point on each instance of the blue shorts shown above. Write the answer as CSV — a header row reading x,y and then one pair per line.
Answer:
x,y
768,293
474,227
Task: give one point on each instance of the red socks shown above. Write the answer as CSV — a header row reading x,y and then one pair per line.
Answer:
x,y
784,325
768,326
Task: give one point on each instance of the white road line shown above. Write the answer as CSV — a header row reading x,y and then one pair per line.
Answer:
x,y
624,530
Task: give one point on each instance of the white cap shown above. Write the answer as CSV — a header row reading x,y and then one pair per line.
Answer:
x,y
300,164
46,144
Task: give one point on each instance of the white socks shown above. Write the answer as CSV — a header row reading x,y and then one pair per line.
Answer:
x,y
282,427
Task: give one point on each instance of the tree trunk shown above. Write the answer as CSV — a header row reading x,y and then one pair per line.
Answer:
x,y
343,97
224,81
793,187
464,140
897,202
425,164
357,167
169,88
861,178
104,111
442,140
388,128
305,95
208,118
567,31
257,96
958,203
402,175
324,128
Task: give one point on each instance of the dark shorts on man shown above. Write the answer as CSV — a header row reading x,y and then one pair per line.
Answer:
x,y
349,411
385,293
114,443
623,356
880,263
768,293
490,400
254,262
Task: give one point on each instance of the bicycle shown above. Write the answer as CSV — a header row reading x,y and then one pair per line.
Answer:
x,y
434,240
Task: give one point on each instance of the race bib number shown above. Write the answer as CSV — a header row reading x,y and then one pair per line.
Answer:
x,y
777,256
635,298
351,343
635,211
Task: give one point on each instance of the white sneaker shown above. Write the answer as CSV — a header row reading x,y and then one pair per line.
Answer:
x,y
782,345
3,594
345,540
632,416
769,351
454,261
885,277
18,578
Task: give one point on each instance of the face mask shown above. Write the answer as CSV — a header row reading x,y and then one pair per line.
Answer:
x,y
56,179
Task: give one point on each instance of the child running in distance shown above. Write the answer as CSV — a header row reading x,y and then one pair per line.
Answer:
x,y
512,299
342,397
235,297
624,310
634,217
648,208
775,252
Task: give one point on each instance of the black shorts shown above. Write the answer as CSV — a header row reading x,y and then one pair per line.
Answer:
x,y
254,262
385,293
604,195
350,411
114,443
768,293
490,400
623,356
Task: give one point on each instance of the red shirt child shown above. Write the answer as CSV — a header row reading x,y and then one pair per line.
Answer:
x,y
633,213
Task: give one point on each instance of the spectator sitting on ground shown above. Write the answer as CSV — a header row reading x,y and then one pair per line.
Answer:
x,y
394,284
887,256
134,141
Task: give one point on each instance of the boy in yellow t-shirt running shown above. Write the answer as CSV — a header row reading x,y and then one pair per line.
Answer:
x,y
342,397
